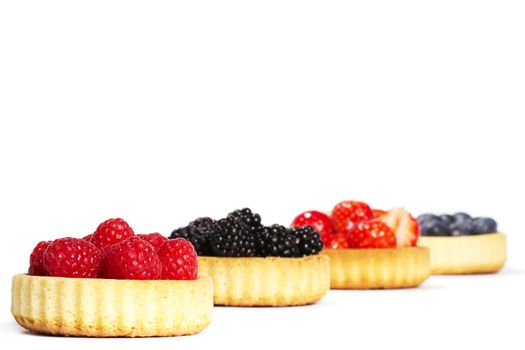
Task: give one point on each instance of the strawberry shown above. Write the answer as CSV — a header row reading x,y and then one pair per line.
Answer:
x,y
348,213
371,234
404,226
337,241
320,222
378,213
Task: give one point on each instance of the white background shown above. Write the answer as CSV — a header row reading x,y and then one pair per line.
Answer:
x,y
162,111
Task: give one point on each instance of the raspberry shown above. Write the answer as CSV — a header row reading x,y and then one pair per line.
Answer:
x,y
110,232
156,239
179,260
371,234
133,259
36,265
88,238
72,257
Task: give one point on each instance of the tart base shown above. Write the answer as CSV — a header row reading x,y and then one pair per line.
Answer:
x,y
270,281
378,268
485,253
111,308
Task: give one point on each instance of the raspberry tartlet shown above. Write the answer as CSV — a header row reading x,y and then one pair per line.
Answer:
x,y
256,265
113,283
461,244
369,249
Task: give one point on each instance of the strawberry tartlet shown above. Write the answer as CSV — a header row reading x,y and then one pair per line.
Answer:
x,y
370,248
113,283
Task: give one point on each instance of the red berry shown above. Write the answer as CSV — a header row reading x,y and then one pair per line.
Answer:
x,y
179,260
378,213
72,257
348,213
337,241
156,239
320,222
132,259
36,265
404,226
371,234
110,232
88,238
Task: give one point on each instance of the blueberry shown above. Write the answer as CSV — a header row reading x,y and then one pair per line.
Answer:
x,y
484,225
461,228
462,216
424,217
435,227
449,219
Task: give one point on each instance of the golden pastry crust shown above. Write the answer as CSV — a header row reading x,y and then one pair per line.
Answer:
x,y
111,308
270,281
378,268
466,254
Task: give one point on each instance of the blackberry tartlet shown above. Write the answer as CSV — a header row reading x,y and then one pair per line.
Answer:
x,y
256,265
370,249
461,244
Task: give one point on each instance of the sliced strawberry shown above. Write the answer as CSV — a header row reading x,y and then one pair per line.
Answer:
x,y
404,226
378,213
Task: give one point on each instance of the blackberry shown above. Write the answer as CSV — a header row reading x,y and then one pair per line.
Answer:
x,y
233,237
310,241
277,240
198,233
249,219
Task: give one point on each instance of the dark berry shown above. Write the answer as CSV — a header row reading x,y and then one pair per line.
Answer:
x,y
434,227
310,240
198,233
249,219
462,216
277,240
449,219
461,228
232,237
424,217
484,225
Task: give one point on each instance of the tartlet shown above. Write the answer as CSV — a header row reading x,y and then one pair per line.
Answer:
x,y
270,281
485,253
403,267
112,308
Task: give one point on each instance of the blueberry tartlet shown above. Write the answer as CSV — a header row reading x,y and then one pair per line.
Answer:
x,y
461,244
369,248
256,265
113,283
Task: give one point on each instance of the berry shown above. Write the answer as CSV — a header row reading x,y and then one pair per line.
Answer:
x,y
435,227
348,213
337,241
484,225
197,232
278,240
461,216
460,228
72,257
233,237
36,265
88,238
371,234
449,219
251,220
404,226
110,232
310,241
377,213
426,216
320,222
179,260
132,258
155,239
